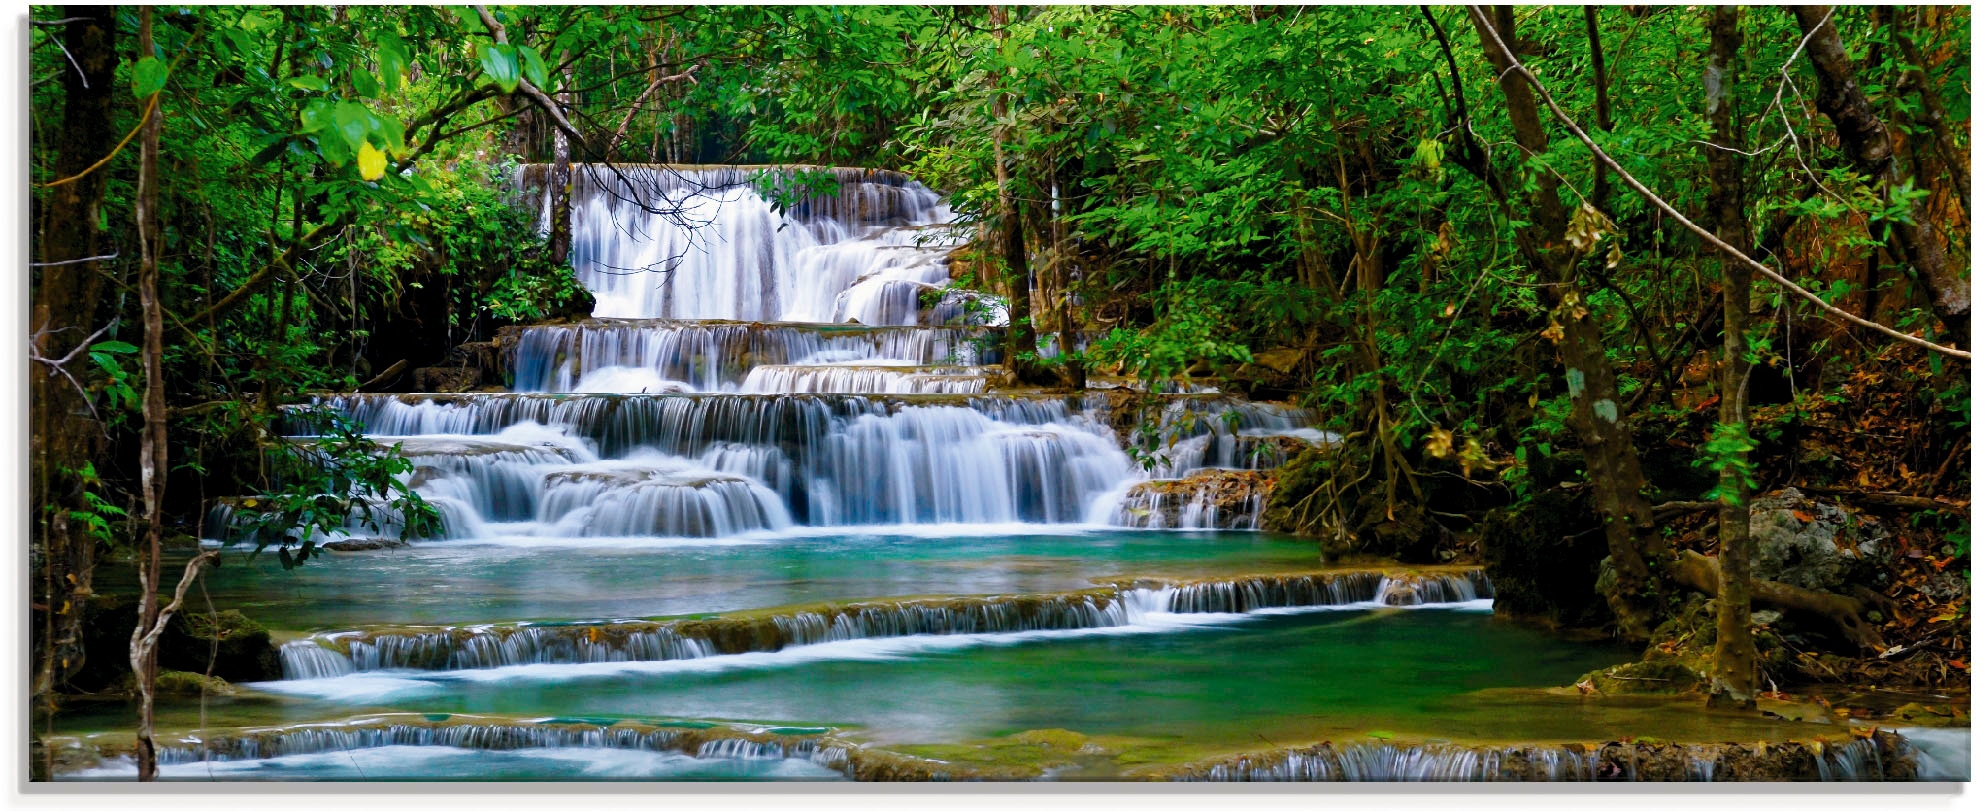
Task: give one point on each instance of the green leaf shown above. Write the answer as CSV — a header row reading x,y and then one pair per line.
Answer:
x,y
393,133
315,116
471,22
148,77
354,121
534,67
117,347
393,61
334,150
309,82
363,83
499,63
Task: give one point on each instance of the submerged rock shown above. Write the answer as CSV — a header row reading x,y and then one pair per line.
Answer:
x,y
363,544
181,683
1643,678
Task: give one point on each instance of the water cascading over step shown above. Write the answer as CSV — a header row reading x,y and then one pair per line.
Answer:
x,y
342,653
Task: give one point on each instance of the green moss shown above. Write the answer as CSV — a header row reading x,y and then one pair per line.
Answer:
x,y
1644,678
181,683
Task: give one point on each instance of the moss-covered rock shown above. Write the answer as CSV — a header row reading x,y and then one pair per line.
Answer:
x,y
181,683
244,651
239,647
1643,678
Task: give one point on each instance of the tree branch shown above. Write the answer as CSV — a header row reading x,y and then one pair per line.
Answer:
x,y
266,274
530,90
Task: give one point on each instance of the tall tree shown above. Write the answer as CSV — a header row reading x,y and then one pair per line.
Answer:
x,y
68,283
1733,680
1550,243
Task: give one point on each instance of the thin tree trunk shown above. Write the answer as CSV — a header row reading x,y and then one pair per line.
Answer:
x,y
1597,416
65,436
152,449
1601,190
1732,681
1865,140
561,183
1022,341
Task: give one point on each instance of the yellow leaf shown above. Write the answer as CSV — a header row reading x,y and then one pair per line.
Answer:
x,y
1440,444
371,162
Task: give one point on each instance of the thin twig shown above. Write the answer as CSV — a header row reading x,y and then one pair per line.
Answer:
x,y
72,261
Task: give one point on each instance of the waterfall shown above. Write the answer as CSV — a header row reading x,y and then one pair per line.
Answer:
x,y
708,243
765,355
469,732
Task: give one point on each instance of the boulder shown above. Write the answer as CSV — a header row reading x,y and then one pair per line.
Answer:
x,y
1814,544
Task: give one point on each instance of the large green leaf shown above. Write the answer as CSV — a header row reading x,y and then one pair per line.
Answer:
x,y
393,61
148,76
499,63
534,67
354,121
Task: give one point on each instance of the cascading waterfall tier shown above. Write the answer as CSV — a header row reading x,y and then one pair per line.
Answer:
x,y
757,244
719,465
694,738
1881,756
769,350
608,356
486,646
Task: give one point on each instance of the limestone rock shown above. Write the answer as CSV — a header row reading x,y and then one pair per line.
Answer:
x,y
1813,544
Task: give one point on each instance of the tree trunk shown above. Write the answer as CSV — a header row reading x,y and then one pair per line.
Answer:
x,y
1696,571
65,435
1865,140
1022,341
1733,680
1601,190
560,184
1597,415
152,449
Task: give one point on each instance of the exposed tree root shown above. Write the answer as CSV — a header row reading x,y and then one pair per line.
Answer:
x,y
1699,572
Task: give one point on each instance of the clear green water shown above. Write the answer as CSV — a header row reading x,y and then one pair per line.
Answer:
x,y
1229,683
1174,688
438,583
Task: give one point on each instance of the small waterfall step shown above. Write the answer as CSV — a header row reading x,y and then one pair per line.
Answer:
x,y
730,251
716,356
1882,756
697,739
1112,605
